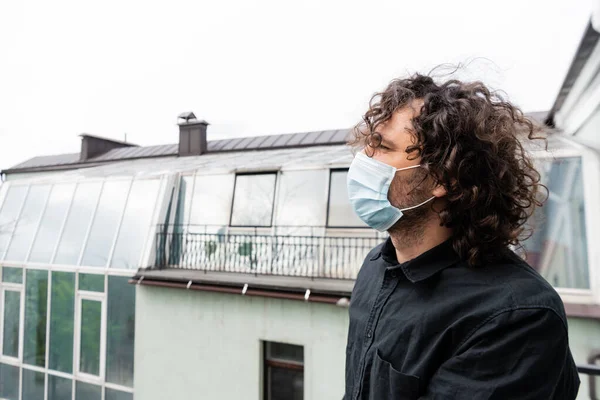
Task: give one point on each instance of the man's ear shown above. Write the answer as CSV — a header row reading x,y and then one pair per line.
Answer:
x,y
439,191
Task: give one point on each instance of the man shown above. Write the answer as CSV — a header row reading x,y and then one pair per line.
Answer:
x,y
444,309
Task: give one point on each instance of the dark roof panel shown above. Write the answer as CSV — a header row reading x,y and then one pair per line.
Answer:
x,y
296,139
44,161
324,137
231,143
256,141
281,140
216,145
242,144
310,138
340,136
269,142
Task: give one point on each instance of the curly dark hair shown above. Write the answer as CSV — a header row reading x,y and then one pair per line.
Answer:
x,y
470,140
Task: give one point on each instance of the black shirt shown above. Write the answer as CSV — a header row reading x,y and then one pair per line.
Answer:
x,y
435,328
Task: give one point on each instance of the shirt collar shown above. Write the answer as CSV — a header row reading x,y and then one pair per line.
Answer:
x,y
423,266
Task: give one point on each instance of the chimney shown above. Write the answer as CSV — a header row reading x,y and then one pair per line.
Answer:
x,y
93,146
192,135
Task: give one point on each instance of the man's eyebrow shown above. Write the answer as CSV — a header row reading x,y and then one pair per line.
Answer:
x,y
386,142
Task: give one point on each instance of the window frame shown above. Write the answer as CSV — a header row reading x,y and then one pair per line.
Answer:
x,y
80,296
273,202
16,288
268,362
590,171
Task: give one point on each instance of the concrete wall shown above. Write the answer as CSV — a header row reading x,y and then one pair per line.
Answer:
x,y
200,345
584,337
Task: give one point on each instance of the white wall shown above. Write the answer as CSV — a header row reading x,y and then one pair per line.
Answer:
x,y
201,345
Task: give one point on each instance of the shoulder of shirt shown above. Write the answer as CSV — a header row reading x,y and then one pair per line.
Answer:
x,y
518,286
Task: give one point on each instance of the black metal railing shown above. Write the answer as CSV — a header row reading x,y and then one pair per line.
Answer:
x,y
323,256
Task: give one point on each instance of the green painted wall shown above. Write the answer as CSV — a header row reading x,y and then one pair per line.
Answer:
x,y
200,345
584,337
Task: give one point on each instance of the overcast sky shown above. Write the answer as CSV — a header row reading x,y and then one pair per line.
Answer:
x,y
254,67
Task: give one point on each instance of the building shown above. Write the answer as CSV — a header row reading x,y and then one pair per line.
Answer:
x,y
223,269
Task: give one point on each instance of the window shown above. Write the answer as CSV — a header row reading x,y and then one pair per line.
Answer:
x,y
80,215
283,371
9,382
253,200
51,224
36,297
211,201
137,222
11,322
120,333
62,322
558,247
302,198
59,388
340,213
106,221
9,214
33,385
28,222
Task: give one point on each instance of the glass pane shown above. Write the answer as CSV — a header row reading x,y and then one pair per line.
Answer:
x,y
52,221
62,311
184,204
284,351
12,275
33,385
9,213
136,224
211,203
36,299
341,212
106,222
77,223
116,395
301,200
86,391
285,384
558,247
59,388
91,282
120,331
89,354
253,200
28,223
12,311
182,215
9,382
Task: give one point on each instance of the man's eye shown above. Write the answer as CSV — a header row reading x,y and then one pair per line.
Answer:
x,y
383,147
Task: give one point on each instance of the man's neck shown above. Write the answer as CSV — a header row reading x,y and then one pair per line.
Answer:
x,y
410,244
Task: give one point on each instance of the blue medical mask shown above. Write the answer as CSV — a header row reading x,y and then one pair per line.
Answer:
x,y
368,185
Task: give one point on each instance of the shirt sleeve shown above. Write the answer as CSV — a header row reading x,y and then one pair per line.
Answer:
x,y
520,354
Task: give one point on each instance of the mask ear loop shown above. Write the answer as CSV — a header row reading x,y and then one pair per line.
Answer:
x,y
418,205
411,167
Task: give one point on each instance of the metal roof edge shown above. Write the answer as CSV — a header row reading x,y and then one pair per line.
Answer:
x,y
586,45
